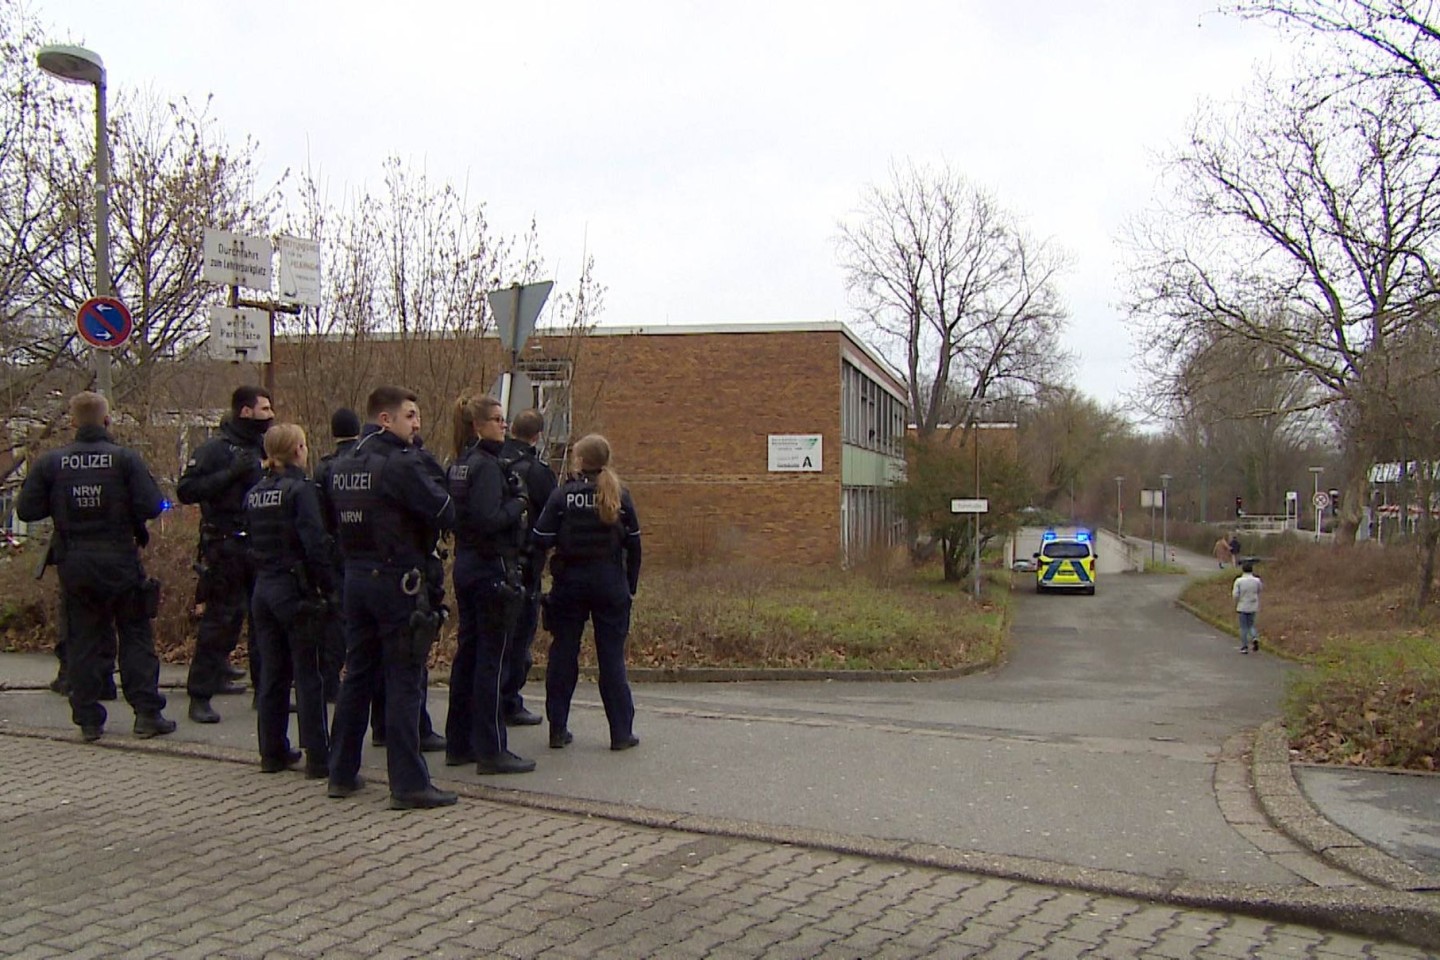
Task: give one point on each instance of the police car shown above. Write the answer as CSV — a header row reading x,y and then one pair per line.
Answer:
x,y
1065,563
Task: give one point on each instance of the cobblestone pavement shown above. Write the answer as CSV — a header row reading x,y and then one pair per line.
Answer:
x,y
120,853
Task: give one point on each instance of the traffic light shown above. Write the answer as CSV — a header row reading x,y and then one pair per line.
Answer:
x,y
1334,503
1239,506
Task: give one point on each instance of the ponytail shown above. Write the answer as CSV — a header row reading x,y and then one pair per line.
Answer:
x,y
282,446
462,423
607,496
470,411
592,456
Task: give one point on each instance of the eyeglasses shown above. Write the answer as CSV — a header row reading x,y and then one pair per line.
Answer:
x,y
494,419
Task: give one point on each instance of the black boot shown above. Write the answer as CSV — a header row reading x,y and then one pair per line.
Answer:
x,y
202,712
149,725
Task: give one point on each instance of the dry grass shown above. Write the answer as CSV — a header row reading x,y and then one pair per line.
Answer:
x,y
28,611
890,616
1370,693
758,617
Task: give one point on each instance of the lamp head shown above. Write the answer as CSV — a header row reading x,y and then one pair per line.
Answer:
x,y
75,64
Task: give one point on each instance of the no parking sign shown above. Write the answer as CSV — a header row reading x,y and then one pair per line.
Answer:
x,y
104,322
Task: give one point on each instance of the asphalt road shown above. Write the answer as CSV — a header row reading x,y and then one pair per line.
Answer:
x,y
1094,745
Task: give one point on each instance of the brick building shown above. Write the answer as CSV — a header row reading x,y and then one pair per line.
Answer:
x,y
775,442
779,442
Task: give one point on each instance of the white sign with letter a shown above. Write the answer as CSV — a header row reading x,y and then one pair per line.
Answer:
x,y
796,453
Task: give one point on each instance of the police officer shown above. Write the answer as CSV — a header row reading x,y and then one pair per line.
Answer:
x,y
590,522
217,477
430,741
389,508
345,430
293,580
490,530
523,457
100,495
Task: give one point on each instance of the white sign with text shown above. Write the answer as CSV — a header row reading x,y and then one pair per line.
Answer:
x,y
796,453
239,334
298,261
236,259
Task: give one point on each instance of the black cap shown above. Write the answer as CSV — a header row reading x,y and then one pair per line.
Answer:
x,y
344,424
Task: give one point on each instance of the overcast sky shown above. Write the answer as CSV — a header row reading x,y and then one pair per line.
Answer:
x,y
704,153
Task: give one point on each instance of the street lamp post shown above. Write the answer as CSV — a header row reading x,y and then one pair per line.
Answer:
x,y
1119,508
1165,517
79,65
1315,499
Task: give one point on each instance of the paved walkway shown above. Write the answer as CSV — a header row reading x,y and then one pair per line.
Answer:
x,y
756,820
146,853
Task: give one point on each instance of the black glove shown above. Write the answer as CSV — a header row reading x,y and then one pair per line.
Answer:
x,y
243,468
142,535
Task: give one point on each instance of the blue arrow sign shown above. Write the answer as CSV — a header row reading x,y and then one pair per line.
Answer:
x,y
104,322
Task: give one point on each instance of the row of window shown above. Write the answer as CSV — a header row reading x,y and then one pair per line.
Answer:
x,y
870,519
869,416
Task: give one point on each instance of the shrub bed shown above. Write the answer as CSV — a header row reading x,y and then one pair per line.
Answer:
x,y
893,617
1369,691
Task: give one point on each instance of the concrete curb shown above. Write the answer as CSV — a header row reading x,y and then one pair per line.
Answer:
x,y
1383,913
695,675
1287,808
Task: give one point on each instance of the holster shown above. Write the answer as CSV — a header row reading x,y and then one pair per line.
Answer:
x,y
204,582
425,623
150,594
47,560
511,594
309,623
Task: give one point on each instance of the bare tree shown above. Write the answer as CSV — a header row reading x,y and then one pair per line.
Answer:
x,y
1066,441
1392,39
406,274
38,121
1306,225
1245,406
173,174
962,292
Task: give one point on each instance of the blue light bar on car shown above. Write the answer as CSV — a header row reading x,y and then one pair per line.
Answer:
x,y
1082,535
1048,535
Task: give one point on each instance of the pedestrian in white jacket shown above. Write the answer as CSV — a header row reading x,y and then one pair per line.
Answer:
x,y
1246,591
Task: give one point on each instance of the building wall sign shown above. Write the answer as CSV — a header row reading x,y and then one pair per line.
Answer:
x,y
796,453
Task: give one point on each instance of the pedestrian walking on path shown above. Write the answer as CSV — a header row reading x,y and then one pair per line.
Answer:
x,y
1246,591
1221,551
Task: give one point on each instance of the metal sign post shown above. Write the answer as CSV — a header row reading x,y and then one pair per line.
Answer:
x,y
516,308
974,506
1149,498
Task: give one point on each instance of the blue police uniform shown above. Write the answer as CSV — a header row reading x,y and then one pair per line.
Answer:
x,y
489,532
388,508
217,478
332,649
540,482
100,495
291,551
596,571
332,657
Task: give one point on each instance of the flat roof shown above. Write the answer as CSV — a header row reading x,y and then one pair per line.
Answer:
x,y
741,327
680,329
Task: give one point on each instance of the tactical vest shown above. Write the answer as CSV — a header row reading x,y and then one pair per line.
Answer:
x,y
270,520
504,544
583,537
521,466
226,511
370,528
90,500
